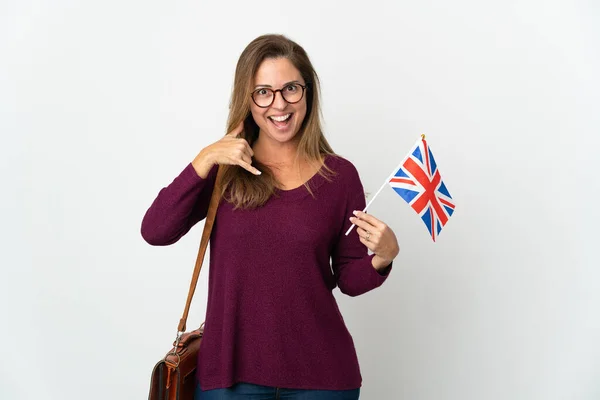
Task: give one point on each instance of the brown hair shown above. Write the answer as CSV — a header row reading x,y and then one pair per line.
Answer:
x,y
247,190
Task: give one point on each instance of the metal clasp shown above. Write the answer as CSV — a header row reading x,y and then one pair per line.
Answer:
x,y
174,352
178,338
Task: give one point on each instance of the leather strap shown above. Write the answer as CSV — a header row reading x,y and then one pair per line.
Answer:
x,y
208,225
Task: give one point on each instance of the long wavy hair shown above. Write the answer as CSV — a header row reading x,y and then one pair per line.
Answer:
x,y
240,187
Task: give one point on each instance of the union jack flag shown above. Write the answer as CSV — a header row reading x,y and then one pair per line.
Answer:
x,y
419,183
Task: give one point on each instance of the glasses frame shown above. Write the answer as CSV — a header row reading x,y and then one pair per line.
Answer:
x,y
304,87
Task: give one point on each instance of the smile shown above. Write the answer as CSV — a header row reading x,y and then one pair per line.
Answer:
x,y
280,118
281,122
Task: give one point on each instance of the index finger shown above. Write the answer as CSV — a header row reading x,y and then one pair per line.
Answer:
x,y
369,218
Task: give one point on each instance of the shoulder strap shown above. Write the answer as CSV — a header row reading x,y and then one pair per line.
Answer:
x,y
208,224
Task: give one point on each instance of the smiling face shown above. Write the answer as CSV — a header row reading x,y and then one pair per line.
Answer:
x,y
281,121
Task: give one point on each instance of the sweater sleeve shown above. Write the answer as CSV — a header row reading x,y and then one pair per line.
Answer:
x,y
178,207
351,261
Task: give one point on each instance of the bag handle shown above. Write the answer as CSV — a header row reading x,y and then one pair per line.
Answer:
x,y
208,225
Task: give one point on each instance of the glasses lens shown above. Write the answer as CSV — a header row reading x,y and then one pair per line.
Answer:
x,y
263,97
292,93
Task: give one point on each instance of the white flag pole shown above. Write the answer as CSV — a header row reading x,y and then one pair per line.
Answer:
x,y
386,182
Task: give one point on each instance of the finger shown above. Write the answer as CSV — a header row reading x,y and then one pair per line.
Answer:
x,y
369,245
248,148
246,158
233,134
237,130
373,235
362,224
248,167
241,152
363,232
370,219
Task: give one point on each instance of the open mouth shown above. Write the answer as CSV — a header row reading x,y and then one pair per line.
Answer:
x,y
281,121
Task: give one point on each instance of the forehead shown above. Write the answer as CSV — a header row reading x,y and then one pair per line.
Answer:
x,y
276,72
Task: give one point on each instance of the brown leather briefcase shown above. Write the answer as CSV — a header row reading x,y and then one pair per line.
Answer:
x,y
174,377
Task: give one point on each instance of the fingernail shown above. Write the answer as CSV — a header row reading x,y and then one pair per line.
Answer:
x,y
355,212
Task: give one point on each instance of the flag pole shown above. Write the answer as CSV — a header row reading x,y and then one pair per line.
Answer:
x,y
384,184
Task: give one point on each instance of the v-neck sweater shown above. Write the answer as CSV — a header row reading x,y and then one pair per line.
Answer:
x,y
271,316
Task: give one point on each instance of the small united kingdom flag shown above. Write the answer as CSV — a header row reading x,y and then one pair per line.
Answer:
x,y
419,183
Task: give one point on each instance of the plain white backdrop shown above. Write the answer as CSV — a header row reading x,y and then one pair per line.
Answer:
x,y
104,103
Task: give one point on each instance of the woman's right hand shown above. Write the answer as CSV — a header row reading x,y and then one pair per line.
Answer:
x,y
229,150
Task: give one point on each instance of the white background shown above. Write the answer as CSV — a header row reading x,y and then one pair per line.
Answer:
x,y
104,103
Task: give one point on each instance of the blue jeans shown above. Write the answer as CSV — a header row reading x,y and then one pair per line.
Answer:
x,y
248,391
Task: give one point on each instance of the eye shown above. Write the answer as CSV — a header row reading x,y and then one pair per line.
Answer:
x,y
262,92
291,88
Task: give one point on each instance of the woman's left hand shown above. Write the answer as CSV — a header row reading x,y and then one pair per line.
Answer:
x,y
378,237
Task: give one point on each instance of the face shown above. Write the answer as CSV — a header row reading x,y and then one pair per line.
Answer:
x,y
276,74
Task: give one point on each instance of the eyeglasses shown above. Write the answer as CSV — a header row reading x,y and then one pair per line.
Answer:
x,y
291,93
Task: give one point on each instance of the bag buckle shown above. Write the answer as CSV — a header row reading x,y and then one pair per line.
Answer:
x,y
174,351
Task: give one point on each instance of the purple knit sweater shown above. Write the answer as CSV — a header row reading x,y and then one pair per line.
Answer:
x,y
271,317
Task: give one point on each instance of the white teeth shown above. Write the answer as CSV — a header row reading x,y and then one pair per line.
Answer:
x,y
280,119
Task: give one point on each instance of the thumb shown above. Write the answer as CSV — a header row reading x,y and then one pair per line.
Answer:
x,y
237,130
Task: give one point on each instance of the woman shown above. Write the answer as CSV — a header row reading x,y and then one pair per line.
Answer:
x,y
272,326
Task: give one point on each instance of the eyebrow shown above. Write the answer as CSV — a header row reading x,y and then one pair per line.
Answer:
x,y
269,86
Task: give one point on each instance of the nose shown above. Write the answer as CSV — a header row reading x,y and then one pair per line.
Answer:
x,y
279,102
